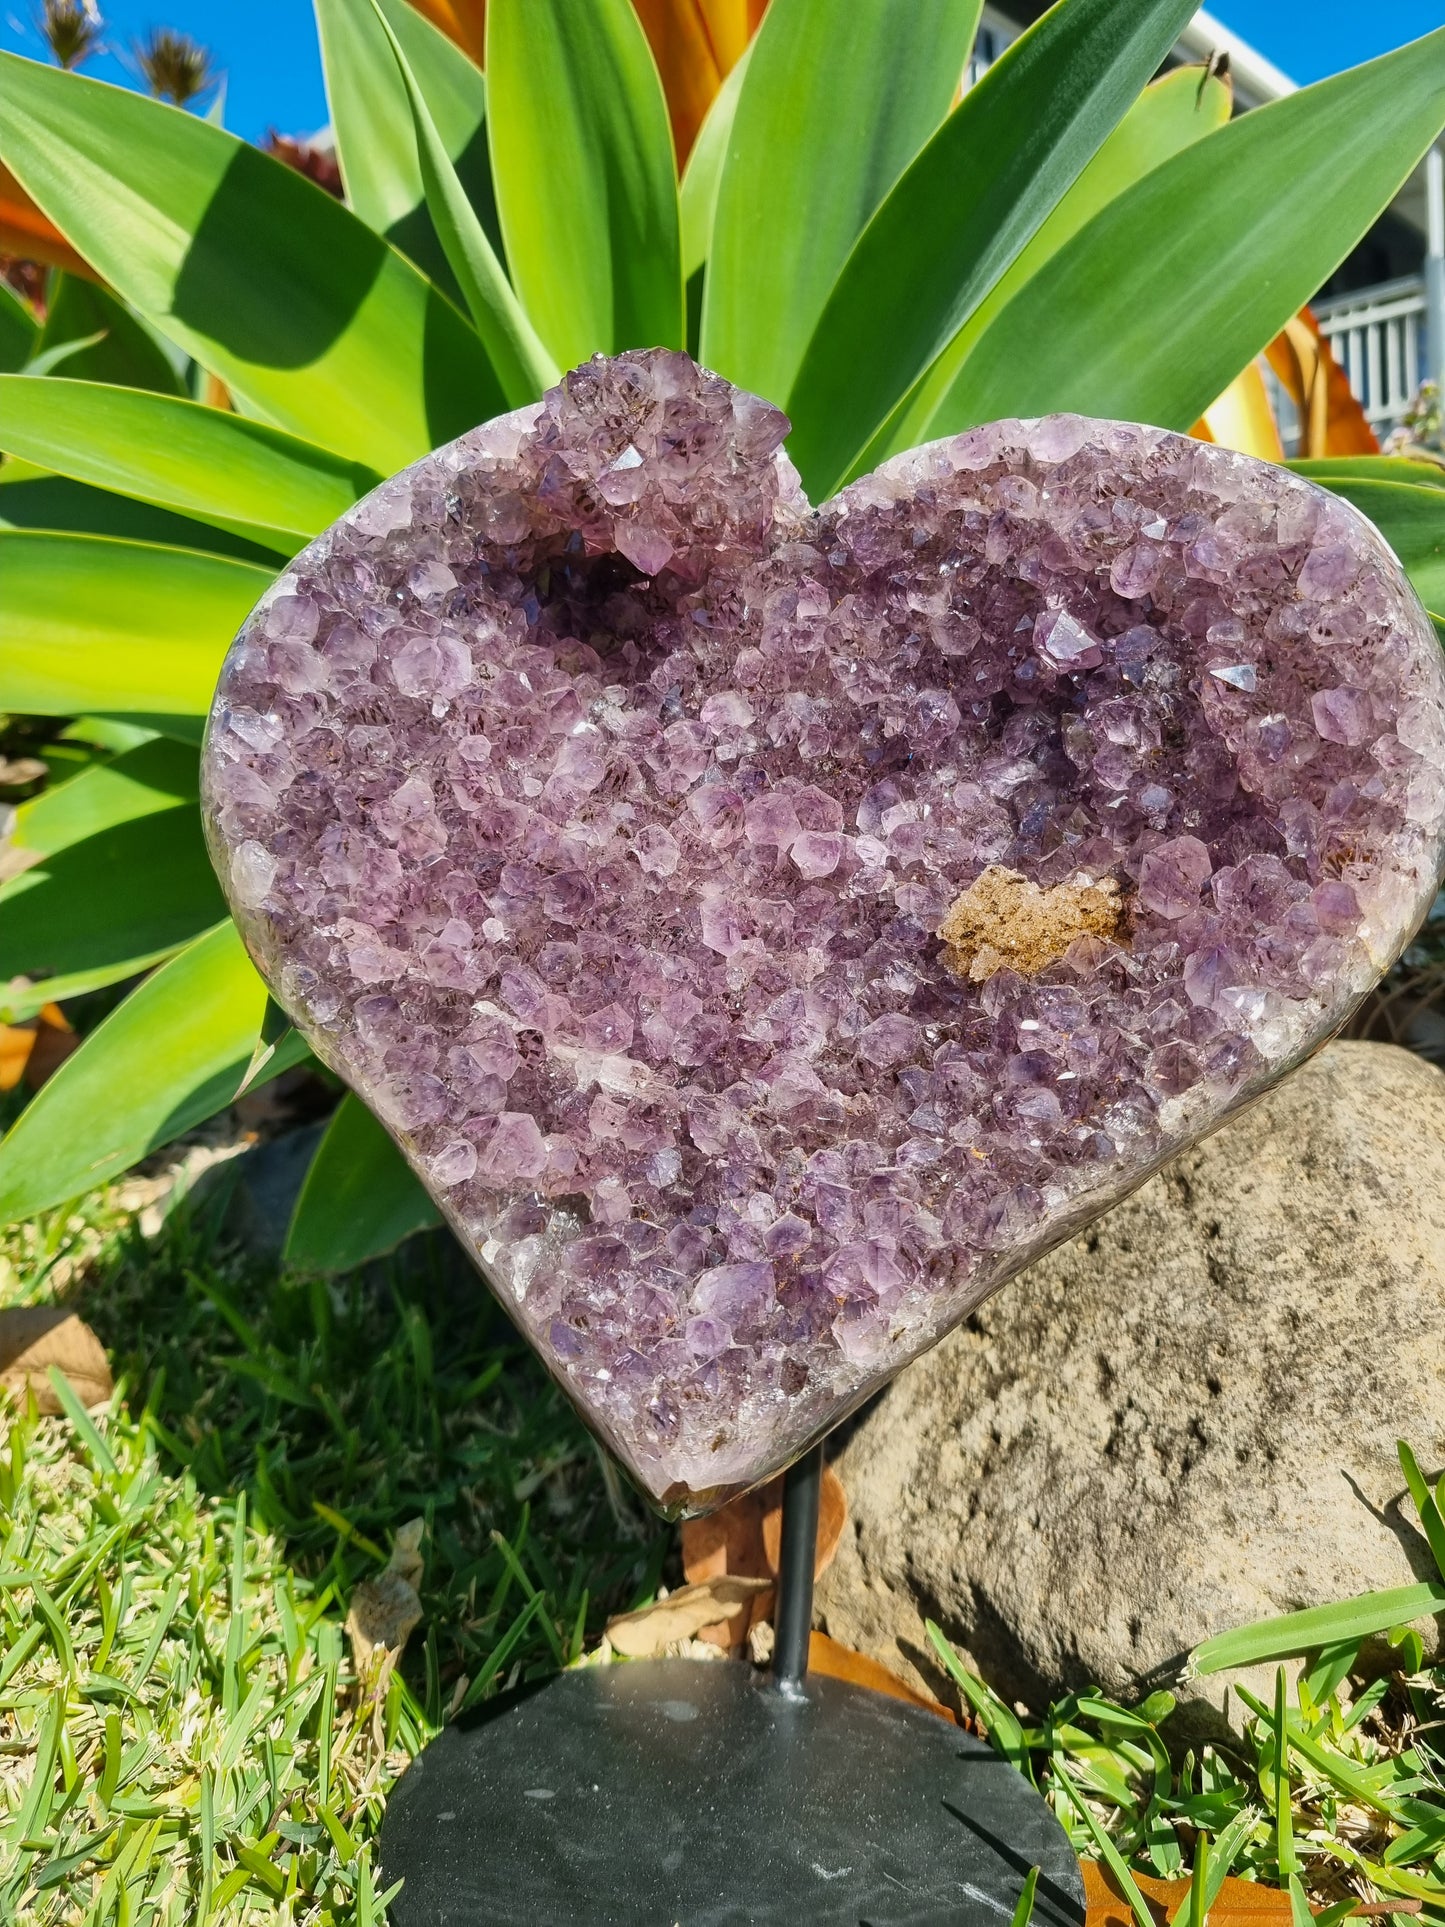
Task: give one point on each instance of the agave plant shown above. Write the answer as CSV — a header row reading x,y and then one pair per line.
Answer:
x,y
884,259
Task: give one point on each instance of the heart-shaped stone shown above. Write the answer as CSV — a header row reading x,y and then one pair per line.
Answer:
x,y
764,930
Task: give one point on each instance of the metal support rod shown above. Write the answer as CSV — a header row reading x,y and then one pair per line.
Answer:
x,y
793,1613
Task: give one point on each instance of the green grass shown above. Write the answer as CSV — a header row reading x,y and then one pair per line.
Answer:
x,y
182,1739
1337,1791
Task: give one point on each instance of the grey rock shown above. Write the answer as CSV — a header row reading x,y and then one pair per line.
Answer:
x,y
1182,1421
254,1195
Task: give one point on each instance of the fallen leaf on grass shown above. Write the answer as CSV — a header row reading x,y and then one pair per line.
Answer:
x,y
1241,1903
745,1538
834,1661
35,1337
385,1610
648,1632
35,1050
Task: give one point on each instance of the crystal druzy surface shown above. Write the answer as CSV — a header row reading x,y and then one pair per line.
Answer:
x,y
595,806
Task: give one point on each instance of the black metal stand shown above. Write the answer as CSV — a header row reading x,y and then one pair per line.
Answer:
x,y
793,1611
672,1793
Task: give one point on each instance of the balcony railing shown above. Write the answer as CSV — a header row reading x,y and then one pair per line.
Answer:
x,y
1378,337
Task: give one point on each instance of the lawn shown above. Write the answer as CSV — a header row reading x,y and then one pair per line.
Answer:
x,y
182,1737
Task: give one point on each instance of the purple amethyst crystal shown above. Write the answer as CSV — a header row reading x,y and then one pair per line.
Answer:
x,y
765,930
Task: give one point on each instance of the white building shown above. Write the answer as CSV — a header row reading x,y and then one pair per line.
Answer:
x,y
1384,307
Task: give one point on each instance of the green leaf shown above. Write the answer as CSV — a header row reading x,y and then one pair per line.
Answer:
x,y
697,196
169,1056
586,185
1412,521
120,628
115,903
204,462
1330,1665
955,221
360,1197
180,729
1370,1787
19,330
523,366
1154,307
89,1432
1286,1859
1300,1912
1000,1723
1430,1519
116,346
1170,115
1104,1846
1193,1909
1292,1634
1411,1648
49,359
840,95
1225,1852
277,1034
30,499
1328,470
372,123
154,777
100,732
1024,1911
250,268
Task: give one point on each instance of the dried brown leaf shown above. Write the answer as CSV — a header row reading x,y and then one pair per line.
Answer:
x,y
386,1610
651,1630
1241,1903
745,1537
35,1337
835,1661
832,1517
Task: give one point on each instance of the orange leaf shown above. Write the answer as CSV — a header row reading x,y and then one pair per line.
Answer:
x,y
26,233
16,1042
744,1537
731,24
1243,419
463,21
35,1050
833,1661
1332,420
696,44
691,71
1241,1903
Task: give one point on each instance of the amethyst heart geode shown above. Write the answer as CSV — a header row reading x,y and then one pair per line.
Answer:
x,y
766,929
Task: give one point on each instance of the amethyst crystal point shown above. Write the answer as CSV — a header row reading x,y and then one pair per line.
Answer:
x,y
763,929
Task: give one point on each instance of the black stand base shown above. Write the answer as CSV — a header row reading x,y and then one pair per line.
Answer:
x,y
676,1793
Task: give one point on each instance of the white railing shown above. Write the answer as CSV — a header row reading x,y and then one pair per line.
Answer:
x,y
995,32
1378,337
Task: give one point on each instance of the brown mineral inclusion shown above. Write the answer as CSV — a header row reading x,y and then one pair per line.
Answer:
x,y
1002,920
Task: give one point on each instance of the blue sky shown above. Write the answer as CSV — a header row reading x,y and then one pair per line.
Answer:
x,y
268,47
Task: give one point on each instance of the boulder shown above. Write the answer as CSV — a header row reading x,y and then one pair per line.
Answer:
x,y
1182,1421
